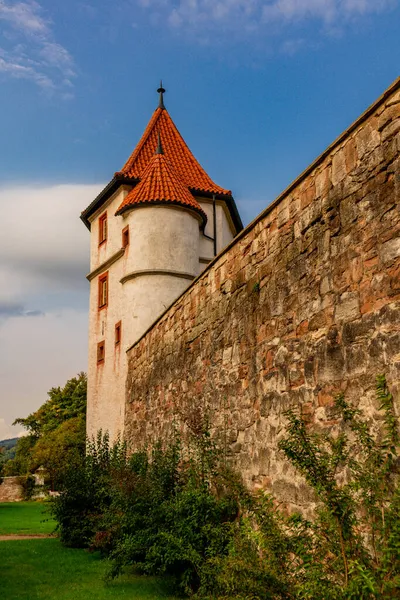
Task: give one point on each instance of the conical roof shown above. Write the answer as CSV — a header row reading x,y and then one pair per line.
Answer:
x,y
160,184
186,166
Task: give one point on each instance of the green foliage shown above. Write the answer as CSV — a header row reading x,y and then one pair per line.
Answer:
x,y
28,485
156,511
351,550
178,512
7,450
21,463
86,491
63,404
60,450
56,435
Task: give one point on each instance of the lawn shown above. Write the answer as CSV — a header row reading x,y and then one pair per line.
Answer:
x,y
45,570
25,518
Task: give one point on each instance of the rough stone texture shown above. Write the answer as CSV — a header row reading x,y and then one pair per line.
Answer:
x,y
11,490
303,304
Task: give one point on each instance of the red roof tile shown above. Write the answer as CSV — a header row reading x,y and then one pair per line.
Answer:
x,y
186,166
160,183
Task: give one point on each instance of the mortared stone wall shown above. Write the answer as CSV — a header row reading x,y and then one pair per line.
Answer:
x,y
11,489
304,303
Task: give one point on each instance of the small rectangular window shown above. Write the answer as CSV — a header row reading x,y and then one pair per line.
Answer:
x,y
125,237
102,228
101,352
118,333
103,290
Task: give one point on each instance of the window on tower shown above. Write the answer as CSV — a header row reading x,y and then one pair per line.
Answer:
x,y
102,228
125,236
103,290
101,352
118,333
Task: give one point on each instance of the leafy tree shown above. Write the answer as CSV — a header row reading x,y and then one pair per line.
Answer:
x,y
63,404
56,433
21,463
60,449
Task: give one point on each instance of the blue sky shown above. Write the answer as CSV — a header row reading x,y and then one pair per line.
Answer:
x,y
258,88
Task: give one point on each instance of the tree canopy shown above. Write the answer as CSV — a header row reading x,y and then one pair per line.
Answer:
x,y
56,433
62,404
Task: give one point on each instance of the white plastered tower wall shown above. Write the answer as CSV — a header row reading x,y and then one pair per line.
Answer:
x,y
144,279
224,230
106,381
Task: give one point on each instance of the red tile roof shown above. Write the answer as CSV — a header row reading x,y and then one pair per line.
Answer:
x,y
186,166
160,183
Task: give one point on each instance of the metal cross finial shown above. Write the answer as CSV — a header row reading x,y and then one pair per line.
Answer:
x,y
161,91
159,149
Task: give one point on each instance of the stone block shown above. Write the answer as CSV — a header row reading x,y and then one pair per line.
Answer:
x,y
339,169
390,250
367,139
348,307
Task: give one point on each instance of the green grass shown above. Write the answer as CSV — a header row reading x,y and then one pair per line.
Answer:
x,y
45,570
24,518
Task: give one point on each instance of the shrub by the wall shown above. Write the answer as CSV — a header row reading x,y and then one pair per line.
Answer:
x,y
180,513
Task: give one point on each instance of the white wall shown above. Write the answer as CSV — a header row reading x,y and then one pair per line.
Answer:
x,y
161,239
224,229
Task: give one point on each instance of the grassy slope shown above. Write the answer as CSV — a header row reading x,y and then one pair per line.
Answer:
x,y
24,518
45,570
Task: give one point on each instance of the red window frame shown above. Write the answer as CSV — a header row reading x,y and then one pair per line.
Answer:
x,y
118,332
125,236
103,296
101,352
103,228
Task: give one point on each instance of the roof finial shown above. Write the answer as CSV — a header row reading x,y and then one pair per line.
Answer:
x,y
159,149
161,91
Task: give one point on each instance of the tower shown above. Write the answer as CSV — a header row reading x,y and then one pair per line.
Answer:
x,y
154,228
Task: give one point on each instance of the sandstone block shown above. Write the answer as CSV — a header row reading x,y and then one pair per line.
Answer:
x,y
390,250
348,307
367,139
339,169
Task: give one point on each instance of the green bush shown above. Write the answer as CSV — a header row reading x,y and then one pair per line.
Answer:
x,y
28,485
180,513
165,518
351,550
87,491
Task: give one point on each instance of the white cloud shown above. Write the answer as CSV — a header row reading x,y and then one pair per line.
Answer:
x,y
12,67
44,246
24,16
29,50
44,257
8,431
36,354
250,15
327,11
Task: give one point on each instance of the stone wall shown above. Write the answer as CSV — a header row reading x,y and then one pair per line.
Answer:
x,y
11,489
304,303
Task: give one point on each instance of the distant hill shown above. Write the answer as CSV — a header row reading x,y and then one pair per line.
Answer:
x,y
7,449
7,444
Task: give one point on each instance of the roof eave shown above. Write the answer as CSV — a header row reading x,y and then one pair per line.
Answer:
x,y
230,202
200,212
104,195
